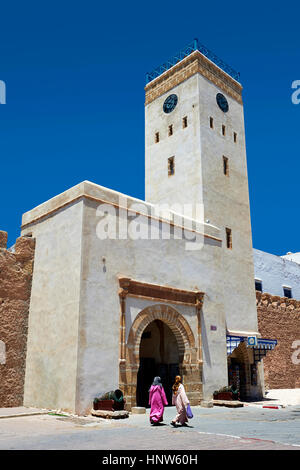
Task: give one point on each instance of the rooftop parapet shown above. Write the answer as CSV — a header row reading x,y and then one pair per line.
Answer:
x,y
102,195
186,51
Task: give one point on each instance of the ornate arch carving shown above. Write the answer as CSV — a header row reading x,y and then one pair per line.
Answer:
x,y
190,364
177,323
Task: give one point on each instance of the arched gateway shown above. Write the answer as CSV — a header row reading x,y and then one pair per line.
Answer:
x,y
189,350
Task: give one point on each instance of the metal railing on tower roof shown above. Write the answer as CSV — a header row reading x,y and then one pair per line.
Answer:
x,y
186,51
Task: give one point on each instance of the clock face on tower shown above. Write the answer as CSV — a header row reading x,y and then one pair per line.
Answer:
x,y
222,102
170,103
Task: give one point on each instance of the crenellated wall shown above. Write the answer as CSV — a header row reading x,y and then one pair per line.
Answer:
x,y
16,268
279,318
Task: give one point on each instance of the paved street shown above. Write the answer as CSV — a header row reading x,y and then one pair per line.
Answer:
x,y
211,428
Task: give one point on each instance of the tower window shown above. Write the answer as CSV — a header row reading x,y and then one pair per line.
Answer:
x,y
223,130
184,122
229,238
258,285
235,137
156,137
171,166
225,166
287,292
211,122
171,129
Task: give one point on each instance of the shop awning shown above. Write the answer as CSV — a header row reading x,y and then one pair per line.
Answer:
x,y
263,346
260,346
233,342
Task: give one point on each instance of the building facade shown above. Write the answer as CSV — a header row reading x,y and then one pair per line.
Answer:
x,y
277,275
124,289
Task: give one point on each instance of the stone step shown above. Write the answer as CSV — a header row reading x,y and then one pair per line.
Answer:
x,y
110,414
228,403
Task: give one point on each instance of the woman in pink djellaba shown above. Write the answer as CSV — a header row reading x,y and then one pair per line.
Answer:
x,y
180,400
157,400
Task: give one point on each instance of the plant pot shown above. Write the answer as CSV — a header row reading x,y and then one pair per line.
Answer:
x,y
109,405
104,405
224,396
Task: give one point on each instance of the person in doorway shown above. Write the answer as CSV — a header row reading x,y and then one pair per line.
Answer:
x,y
157,401
180,400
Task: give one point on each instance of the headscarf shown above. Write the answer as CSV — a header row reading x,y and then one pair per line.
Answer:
x,y
157,381
176,384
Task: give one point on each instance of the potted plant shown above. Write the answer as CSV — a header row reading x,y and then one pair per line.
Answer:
x,y
226,393
110,401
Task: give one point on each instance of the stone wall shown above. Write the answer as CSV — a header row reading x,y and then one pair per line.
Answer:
x,y
16,269
279,318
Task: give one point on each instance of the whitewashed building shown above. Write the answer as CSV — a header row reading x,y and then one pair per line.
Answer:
x,y
124,289
277,275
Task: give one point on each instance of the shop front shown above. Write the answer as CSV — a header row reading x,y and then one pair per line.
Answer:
x,y
245,367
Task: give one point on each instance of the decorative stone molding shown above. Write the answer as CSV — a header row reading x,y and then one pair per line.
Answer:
x,y
190,356
156,292
190,65
176,322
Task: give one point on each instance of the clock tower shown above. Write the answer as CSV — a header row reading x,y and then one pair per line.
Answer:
x,y
195,155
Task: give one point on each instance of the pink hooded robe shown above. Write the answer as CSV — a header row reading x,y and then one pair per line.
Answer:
x,y
157,400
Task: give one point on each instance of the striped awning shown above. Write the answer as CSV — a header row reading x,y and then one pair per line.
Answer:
x,y
263,343
260,346
233,342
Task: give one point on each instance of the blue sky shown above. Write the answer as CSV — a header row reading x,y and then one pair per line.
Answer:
x,y
75,77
